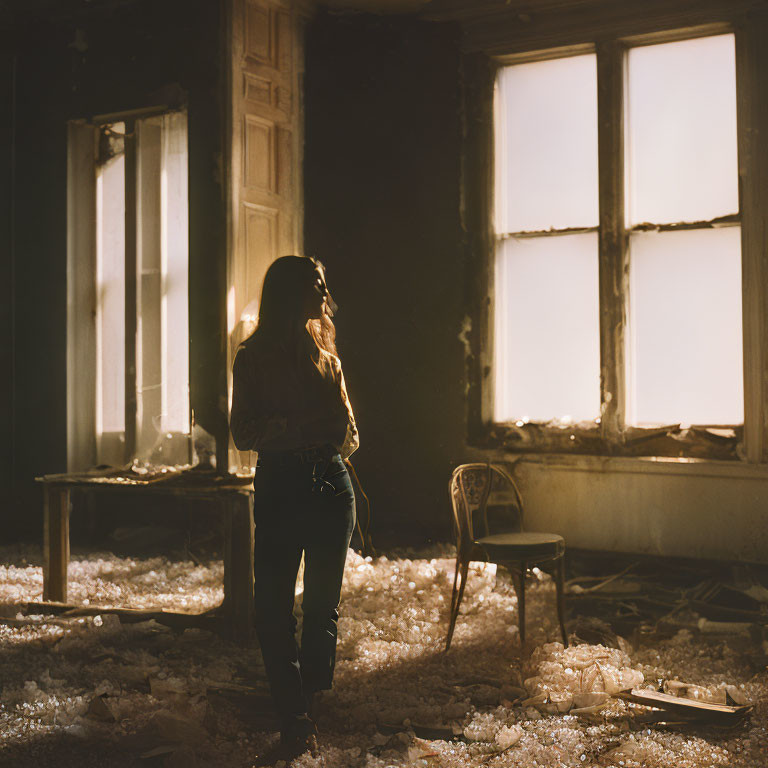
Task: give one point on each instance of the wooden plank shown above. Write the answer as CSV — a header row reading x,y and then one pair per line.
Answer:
x,y
177,482
613,263
130,289
55,543
208,620
547,232
752,111
689,708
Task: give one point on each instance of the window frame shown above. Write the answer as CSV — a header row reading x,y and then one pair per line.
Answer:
x,y
612,436
82,357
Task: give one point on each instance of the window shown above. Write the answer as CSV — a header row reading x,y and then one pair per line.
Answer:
x,y
547,320
618,299
128,336
685,358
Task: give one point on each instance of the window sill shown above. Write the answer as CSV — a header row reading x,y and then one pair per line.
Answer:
x,y
646,465
671,442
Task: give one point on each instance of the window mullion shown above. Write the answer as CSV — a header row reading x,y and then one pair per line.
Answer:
x,y
130,289
752,117
613,266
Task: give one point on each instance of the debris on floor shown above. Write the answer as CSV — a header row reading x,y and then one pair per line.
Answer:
x,y
688,708
93,690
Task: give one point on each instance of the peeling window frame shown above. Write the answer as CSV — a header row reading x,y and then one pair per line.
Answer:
x,y
88,148
612,436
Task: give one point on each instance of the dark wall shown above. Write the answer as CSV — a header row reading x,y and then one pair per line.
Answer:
x,y
382,201
74,62
6,274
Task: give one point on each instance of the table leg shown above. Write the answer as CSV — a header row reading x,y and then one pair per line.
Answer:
x,y
521,603
560,585
238,566
55,543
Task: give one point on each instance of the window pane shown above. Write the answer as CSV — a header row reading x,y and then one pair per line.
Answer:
x,y
163,322
110,297
685,327
547,329
175,274
546,145
681,131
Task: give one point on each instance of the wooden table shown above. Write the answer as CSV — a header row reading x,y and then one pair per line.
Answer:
x,y
229,495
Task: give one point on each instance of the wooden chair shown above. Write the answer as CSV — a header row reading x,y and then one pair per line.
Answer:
x,y
470,488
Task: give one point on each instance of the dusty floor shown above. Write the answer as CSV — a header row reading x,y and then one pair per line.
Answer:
x,y
92,691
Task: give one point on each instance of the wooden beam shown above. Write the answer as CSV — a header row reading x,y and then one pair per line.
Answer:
x,y
687,708
752,110
477,179
130,289
613,261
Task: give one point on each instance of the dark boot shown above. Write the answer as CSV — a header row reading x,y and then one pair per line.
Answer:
x,y
299,735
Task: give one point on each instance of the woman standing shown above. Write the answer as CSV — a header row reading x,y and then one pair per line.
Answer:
x,y
290,404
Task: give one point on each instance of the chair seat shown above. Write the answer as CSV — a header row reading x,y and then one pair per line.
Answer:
x,y
522,546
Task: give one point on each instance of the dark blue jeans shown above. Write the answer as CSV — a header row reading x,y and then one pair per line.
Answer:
x,y
295,513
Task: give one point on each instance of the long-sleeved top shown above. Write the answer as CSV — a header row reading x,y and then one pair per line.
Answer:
x,y
285,399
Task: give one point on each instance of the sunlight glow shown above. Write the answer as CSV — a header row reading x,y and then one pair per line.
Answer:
x,y
547,329
681,131
685,343
546,145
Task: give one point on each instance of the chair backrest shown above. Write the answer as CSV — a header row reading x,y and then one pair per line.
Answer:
x,y
477,488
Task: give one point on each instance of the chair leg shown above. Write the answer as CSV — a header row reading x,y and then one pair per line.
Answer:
x,y
455,605
455,585
560,587
521,602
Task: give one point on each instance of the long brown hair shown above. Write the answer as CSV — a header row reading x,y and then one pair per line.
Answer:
x,y
283,297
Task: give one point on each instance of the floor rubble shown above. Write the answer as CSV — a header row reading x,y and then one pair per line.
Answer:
x,y
92,690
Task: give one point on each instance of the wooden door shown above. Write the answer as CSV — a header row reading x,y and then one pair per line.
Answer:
x,y
265,209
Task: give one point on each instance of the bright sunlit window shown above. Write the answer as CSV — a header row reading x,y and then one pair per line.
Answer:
x,y
682,362
110,291
156,294
685,339
547,341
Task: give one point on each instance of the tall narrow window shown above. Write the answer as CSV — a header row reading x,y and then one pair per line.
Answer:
x,y
685,327
162,349
547,365
133,386
110,295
